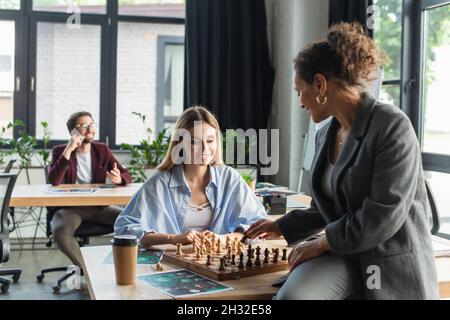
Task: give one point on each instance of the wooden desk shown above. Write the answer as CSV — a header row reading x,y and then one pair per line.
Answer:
x,y
37,196
102,285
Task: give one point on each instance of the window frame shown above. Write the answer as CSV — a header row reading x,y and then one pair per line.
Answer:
x,y
25,63
412,76
161,119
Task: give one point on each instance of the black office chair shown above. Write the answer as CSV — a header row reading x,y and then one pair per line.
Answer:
x,y
436,224
9,166
83,233
7,182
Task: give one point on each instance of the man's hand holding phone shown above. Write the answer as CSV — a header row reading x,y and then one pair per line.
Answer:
x,y
75,141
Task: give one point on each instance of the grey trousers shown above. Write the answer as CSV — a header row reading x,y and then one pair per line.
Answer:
x,y
66,221
326,277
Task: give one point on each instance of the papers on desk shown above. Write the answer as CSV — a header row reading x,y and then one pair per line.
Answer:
x,y
71,190
182,283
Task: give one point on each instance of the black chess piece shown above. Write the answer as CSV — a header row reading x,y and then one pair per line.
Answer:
x,y
257,260
275,255
241,261
208,260
222,264
225,261
249,261
266,256
284,257
233,258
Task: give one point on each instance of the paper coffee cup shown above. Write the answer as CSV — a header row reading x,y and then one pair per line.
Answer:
x,y
125,252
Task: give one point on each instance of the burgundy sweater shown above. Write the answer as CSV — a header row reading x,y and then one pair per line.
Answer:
x,y
63,171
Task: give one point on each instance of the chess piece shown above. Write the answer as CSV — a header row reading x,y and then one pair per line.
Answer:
x,y
241,260
229,252
257,260
227,241
222,264
193,245
266,256
219,247
275,255
258,250
284,257
179,253
249,261
208,260
233,258
197,253
225,261
159,267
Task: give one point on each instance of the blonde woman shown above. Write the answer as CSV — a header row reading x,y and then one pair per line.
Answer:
x,y
192,192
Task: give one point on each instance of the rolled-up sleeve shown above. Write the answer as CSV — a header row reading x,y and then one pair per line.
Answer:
x,y
134,219
247,208
394,181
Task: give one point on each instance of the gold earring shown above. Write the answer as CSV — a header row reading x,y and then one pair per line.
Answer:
x,y
325,99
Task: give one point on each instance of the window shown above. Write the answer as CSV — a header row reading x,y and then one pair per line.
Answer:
x,y
7,53
388,35
425,79
67,75
10,4
153,8
435,81
71,6
171,79
109,65
138,89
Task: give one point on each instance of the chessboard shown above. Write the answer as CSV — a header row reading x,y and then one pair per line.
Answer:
x,y
231,261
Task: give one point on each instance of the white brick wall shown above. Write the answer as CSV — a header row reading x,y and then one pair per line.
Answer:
x,y
68,75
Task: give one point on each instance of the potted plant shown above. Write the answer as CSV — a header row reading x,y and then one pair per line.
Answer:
x,y
149,153
248,171
24,146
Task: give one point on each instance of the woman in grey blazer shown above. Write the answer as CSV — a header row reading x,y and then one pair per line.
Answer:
x,y
367,185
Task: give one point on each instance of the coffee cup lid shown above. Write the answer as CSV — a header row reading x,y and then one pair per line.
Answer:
x,y
124,240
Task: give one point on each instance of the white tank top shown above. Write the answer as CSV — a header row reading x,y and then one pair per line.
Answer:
x,y
198,218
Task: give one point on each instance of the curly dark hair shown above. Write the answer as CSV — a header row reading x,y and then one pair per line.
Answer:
x,y
346,54
72,122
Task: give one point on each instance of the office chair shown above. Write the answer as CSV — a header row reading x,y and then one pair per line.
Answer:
x,y
7,182
83,233
9,166
434,211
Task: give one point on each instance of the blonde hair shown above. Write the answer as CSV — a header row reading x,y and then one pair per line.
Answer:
x,y
186,121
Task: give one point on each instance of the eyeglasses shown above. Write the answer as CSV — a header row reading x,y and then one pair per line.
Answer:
x,y
85,127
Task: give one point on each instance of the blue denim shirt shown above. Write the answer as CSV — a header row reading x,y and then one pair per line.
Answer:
x,y
160,204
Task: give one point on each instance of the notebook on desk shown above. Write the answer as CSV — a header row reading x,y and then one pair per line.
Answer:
x,y
71,190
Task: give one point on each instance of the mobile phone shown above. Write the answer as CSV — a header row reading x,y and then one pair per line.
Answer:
x,y
75,132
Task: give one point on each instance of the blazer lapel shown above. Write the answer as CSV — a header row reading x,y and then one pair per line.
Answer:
x,y
351,147
317,168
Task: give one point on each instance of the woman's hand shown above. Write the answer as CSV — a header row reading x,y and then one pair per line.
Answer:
x,y
306,251
187,237
263,229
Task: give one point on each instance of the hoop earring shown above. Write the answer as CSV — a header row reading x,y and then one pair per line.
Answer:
x,y
325,99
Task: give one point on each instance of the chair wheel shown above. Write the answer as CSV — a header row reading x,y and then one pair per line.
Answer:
x,y
40,277
5,288
56,288
16,277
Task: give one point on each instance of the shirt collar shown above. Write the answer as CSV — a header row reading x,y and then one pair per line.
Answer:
x,y
178,179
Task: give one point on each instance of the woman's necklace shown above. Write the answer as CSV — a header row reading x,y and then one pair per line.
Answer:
x,y
341,141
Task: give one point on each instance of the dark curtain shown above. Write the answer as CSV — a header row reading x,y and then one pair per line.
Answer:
x,y
349,11
228,69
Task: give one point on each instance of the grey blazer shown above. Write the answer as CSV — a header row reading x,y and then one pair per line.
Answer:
x,y
379,214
